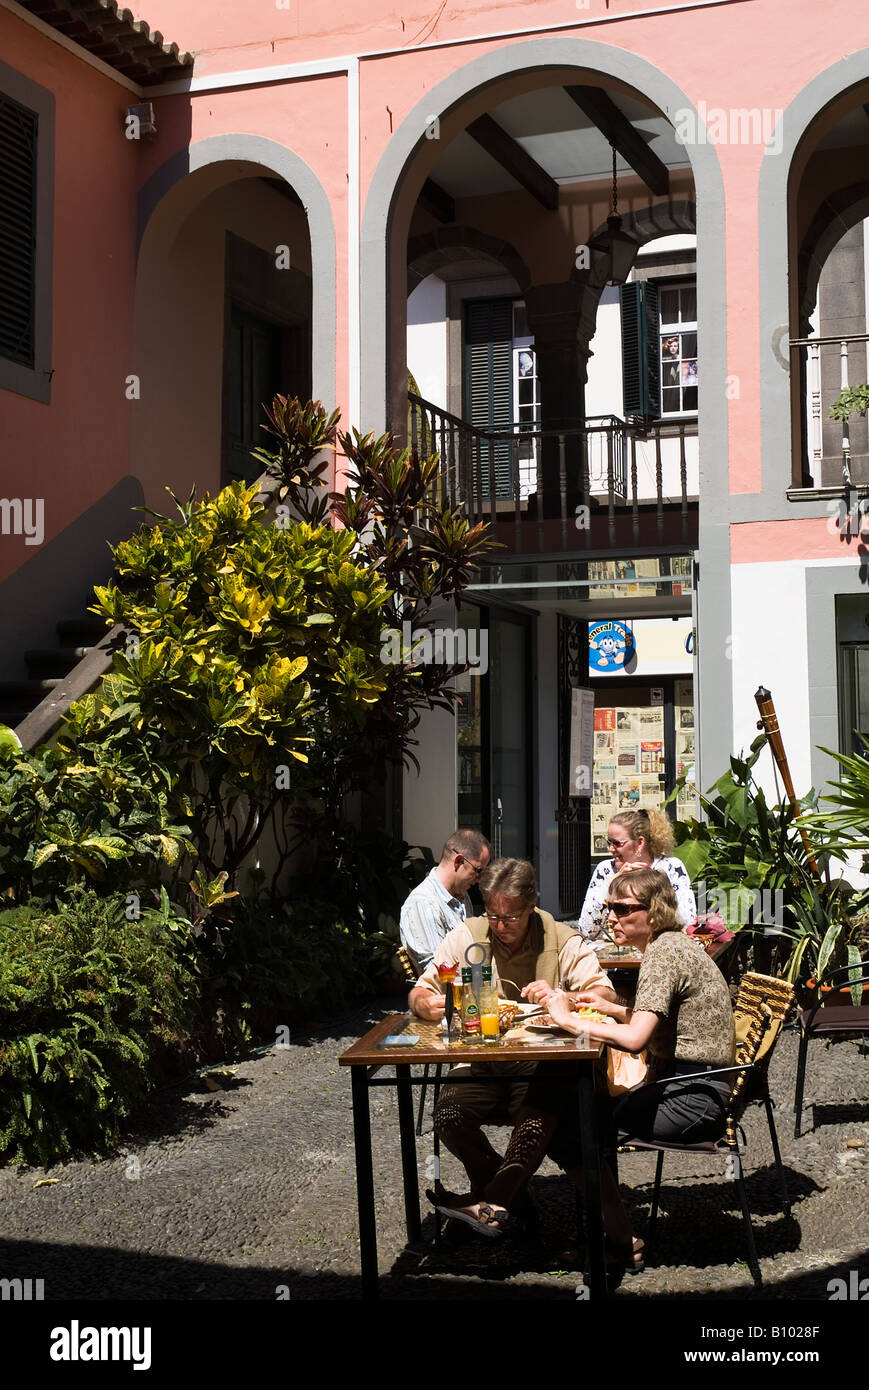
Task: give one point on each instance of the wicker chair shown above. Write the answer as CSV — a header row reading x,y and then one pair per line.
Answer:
x,y
762,1005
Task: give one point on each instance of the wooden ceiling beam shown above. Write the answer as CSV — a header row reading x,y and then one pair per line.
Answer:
x,y
600,108
437,201
516,161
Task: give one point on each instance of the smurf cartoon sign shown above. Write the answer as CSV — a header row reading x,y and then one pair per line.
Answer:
x,y
610,646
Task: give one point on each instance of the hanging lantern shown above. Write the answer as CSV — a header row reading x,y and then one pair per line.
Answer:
x,y
615,243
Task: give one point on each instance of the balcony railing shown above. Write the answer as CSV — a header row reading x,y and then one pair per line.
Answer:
x,y
523,475
830,365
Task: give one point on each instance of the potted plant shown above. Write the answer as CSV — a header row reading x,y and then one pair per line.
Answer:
x,y
754,866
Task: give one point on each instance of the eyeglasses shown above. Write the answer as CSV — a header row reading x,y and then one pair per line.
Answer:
x,y
477,868
622,909
507,920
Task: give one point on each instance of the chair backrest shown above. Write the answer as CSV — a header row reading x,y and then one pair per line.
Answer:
x,y
747,1054
761,997
411,974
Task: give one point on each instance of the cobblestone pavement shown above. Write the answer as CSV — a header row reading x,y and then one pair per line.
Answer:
x,y
249,1193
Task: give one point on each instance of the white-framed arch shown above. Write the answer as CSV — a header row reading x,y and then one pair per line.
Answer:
x,y
281,162
774,288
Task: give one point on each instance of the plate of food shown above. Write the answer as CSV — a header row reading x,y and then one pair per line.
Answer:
x,y
546,1023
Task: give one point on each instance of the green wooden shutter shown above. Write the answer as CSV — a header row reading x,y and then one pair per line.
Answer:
x,y
641,364
489,381
18,132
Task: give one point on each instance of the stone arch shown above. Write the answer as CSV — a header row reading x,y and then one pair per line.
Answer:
x,y
447,245
206,157
777,434
837,214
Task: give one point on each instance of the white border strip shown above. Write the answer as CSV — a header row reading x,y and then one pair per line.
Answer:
x,y
354,308
71,46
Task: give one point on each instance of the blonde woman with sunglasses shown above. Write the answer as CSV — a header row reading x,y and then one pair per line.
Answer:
x,y
637,840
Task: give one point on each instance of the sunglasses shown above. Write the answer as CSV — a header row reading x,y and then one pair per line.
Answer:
x,y
622,909
508,920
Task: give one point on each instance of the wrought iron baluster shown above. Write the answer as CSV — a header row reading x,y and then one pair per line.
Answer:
x,y
683,477
659,483
517,494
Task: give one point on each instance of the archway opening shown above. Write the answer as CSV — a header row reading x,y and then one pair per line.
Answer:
x,y
828,213
223,321
496,231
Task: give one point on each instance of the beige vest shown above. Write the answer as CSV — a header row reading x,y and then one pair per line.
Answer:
x,y
555,936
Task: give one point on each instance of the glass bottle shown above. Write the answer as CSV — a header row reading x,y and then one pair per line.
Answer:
x,y
470,1009
489,1009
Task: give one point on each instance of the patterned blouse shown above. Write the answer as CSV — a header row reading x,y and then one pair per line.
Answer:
x,y
681,984
593,918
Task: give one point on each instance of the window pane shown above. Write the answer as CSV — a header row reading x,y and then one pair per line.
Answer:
x,y
689,305
689,373
526,391
689,398
670,399
689,344
669,306
520,322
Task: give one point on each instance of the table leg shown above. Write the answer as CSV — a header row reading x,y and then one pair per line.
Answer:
x,y
591,1173
408,1153
364,1182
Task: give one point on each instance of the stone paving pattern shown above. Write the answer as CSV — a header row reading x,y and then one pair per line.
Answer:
x,y
249,1193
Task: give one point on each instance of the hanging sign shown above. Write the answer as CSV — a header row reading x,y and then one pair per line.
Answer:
x,y
610,646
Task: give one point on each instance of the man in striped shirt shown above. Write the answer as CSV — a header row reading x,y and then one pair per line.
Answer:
x,y
440,902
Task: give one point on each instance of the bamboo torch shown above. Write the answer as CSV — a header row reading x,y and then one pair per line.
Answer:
x,y
769,723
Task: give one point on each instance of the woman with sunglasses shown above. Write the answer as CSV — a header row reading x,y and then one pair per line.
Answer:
x,y
681,1014
637,839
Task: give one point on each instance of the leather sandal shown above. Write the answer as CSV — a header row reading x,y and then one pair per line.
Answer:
x,y
490,1222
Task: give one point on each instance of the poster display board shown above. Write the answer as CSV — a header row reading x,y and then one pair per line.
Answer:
x,y
617,578
683,717
628,764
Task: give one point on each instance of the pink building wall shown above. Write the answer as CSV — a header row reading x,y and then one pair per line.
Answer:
x,y
71,452
342,119
718,55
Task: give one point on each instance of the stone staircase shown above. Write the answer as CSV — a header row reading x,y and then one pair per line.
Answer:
x,y
47,667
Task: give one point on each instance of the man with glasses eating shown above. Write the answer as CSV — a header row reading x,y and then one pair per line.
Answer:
x,y
440,902
531,955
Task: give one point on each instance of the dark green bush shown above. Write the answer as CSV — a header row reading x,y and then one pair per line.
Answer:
x,y
90,1005
277,967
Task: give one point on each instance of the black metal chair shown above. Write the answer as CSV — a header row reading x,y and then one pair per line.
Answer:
x,y
829,1021
762,1005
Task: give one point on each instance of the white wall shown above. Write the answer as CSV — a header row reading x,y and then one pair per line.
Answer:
x,y
603,391
432,795
770,648
427,339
